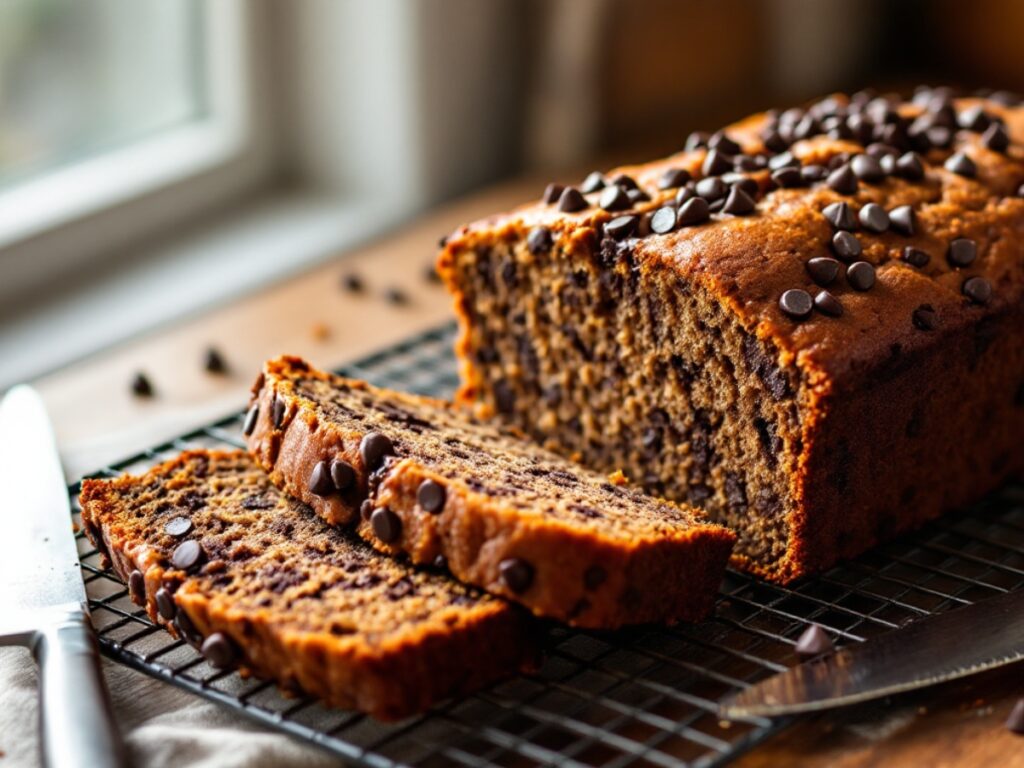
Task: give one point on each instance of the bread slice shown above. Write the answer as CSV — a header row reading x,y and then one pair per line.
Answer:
x,y
221,557
418,476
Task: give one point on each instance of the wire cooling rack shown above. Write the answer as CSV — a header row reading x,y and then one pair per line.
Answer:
x,y
641,697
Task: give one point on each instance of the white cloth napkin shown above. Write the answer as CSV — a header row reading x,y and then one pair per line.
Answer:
x,y
162,725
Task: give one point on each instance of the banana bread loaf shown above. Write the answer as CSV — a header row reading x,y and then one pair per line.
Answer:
x,y
416,475
219,556
810,324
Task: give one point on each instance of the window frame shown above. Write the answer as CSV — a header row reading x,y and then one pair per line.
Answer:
x,y
69,215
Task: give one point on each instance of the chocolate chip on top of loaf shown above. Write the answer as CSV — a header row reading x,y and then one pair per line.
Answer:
x,y
820,370
221,557
421,477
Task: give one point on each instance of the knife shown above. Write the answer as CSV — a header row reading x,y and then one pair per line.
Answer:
x,y
954,644
42,596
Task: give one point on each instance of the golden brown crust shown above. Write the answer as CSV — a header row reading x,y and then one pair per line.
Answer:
x,y
663,566
390,664
897,423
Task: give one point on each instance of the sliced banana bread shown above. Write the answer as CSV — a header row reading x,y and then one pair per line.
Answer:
x,y
810,324
419,476
222,558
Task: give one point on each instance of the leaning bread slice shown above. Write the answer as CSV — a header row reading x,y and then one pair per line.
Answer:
x,y
222,558
418,476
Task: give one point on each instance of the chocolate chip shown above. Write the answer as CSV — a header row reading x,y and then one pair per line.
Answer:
x,y
343,475
141,386
846,245
783,160
637,196
996,138
594,577
696,140
673,177
353,283
716,163
867,168
693,211
828,304
813,173
592,183
909,166
396,296
738,203
788,177
840,216
165,604
137,586
720,141
973,119
748,163
430,273
873,218
278,410
214,361
624,181
939,136
219,650
977,289
431,496
664,220
187,629
711,189
773,141
571,200
879,150
539,240
685,193
962,252
860,275
516,573
366,509
1015,720
813,642
903,220
621,227
320,483
842,180
823,270
614,198
796,303
250,419
178,527
915,257
925,318
373,448
187,555
387,526
551,194
962,165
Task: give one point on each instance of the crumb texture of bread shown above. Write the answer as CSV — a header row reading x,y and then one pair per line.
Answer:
x,y
492,508
219,556
661,341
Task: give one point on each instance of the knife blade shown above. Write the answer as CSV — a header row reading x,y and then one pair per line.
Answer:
x,y
954,644
43,601
38,558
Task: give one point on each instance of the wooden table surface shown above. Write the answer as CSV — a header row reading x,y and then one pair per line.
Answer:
x,y
98,421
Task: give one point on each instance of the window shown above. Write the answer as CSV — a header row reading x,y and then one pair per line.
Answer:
x,y
111,114
81,78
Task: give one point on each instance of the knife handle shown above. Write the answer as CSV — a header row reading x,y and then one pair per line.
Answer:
x,y
76,721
